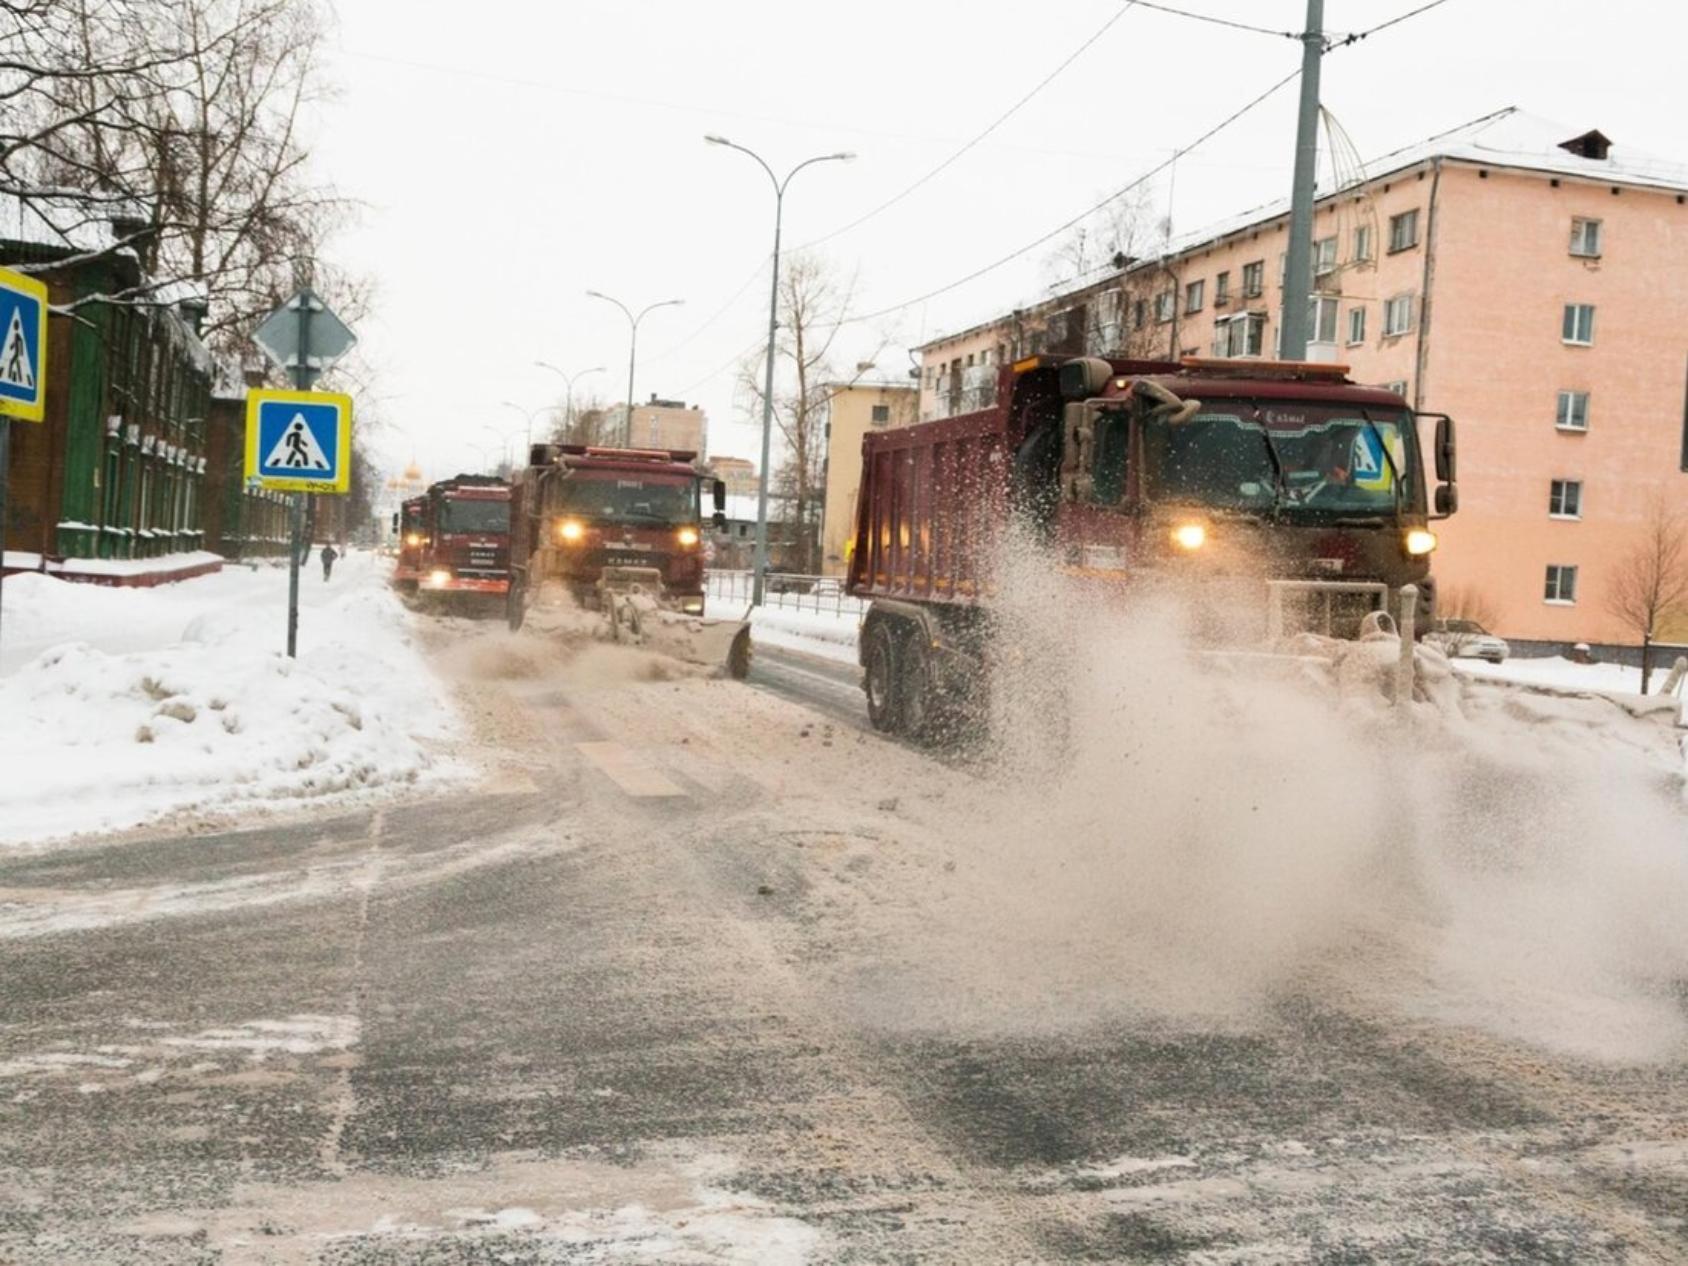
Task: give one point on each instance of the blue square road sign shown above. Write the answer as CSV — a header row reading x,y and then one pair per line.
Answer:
x,y
299,441
23,347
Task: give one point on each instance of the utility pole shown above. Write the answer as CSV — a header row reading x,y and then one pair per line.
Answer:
x,y
302,381
1298,260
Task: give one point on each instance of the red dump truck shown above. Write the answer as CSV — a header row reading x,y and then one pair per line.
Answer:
x,y
454,541
1284,481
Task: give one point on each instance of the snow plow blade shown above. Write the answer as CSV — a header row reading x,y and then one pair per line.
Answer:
x,y
632,599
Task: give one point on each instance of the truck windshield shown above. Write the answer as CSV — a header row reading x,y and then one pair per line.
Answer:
x,y
632,500
1334,462
474,516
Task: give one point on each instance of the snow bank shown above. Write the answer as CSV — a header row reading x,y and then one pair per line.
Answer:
x,y
815,632
216,720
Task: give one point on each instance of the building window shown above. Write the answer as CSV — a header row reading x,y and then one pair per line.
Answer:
x,y
1139,313
1222,290
1573,411
1321,319
1193,296
1585,238
881,414
1324,256
1564,499
1362,243
1397,316
1403,231
1399,387
1578,324
1356,326
1254,279
1240,335
1561,583
1166,305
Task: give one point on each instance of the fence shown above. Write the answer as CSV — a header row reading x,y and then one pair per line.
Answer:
x,y
788,590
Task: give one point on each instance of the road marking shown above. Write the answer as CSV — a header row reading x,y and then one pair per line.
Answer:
x,y
627,771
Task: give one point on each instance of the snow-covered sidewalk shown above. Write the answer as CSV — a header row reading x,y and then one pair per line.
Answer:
x,y
125,705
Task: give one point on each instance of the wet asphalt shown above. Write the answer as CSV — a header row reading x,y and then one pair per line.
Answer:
x,y
557,1022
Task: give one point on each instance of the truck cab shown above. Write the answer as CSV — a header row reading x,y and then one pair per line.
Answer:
x,y
587,517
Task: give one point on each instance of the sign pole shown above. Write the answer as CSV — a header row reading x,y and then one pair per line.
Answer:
x,y
301,382
5,474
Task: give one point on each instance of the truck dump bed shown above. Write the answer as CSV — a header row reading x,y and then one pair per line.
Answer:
x,y
930,507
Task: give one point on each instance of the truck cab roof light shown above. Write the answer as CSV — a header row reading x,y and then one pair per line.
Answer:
x,y
1241,368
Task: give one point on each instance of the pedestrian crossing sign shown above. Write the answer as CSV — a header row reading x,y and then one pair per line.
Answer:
x,y
23,347
299,441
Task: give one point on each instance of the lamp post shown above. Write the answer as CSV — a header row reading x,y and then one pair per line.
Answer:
x,y
632,349
504,438
760,573
568,383
530,415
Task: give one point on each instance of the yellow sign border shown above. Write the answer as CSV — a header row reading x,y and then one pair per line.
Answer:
x,y
37,290
342,482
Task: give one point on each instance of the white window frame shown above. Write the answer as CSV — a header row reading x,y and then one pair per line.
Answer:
x,y
1324,256
1554,588
1256,270
1390,307
1356,325
1362,243
1563,493
1222,289
1319,306
1398,386
1194,294
1572,319
1565,412
1224,334
1166,306
1407,220
1582,229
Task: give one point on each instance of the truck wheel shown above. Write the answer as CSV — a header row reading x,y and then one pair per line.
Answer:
x,y
916,691
879,680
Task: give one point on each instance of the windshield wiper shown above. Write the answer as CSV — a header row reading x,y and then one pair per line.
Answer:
x,y
1394,473
1280,481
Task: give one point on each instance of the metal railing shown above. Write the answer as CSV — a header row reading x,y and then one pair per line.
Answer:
x,y
787,589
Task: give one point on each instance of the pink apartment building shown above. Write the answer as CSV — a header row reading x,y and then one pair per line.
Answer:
x,y
1526,279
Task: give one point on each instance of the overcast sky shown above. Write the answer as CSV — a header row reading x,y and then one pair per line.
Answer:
x,y
511,155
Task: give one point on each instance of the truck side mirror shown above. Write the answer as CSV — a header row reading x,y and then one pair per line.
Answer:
x,y
1447,499
719,519
1078,442
1445,449
720,492
395,521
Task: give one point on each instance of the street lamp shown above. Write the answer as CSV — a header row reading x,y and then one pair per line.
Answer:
x,y
632,348
568,381
529,415
759,576
504,438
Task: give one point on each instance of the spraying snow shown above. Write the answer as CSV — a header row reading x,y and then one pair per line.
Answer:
x,y
1164,835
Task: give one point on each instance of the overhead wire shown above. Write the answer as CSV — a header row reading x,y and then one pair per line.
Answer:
x,y
1356,36
1218,21
979,137
1055,232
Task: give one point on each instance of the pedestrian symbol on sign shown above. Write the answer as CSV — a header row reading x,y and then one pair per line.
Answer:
x,y
297,449
14,356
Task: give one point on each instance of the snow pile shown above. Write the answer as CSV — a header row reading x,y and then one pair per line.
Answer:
x,y
815,632
1162,834
217,721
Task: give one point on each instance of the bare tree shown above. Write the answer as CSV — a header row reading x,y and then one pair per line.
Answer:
x,y
1649,585
812,304
593,422
176,121
1466,602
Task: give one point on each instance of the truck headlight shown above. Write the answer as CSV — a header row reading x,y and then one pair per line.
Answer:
x,y
688,536
1418,542
439,578
570,530
415,538
1190,536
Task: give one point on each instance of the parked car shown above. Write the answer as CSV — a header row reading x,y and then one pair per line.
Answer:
x,y
1467,639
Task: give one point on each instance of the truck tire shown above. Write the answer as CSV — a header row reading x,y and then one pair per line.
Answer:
x,y
917,688
879,678
515,606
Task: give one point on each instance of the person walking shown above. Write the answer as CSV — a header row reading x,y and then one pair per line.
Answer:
x,y
329,554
